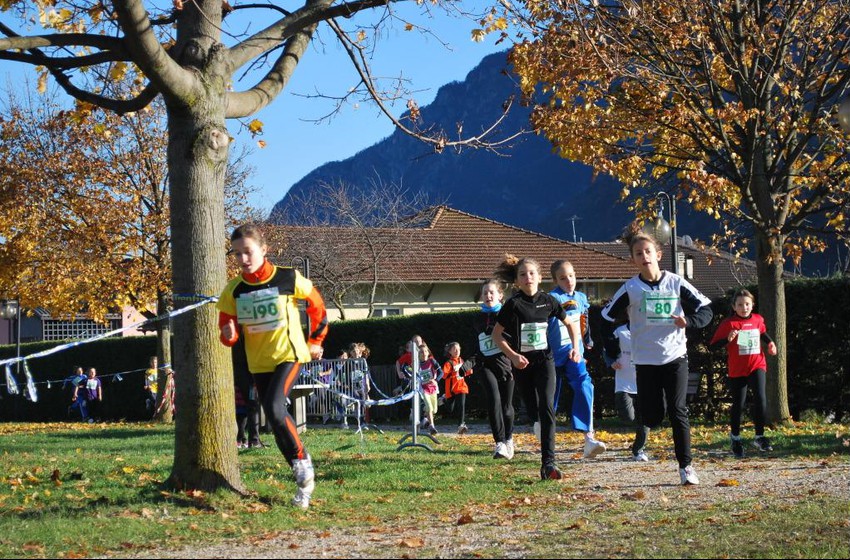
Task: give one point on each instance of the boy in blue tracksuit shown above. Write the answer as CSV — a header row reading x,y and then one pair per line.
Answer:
x,y
576,306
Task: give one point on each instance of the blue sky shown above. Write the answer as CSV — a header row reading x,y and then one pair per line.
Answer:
x,y
295,145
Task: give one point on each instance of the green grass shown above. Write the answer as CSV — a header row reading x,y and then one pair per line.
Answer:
x,y
60,482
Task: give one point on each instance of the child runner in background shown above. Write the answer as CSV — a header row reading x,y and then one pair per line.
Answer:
x,y
576,306
429,374
151,385
494,371
455,383
359,352
743,335
520,332
659,305
625,387
259,305
92,391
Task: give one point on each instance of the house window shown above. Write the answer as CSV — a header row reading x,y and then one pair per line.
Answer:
x,y
387,312
55,329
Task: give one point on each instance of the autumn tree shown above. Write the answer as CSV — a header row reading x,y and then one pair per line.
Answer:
x,y
183,55
354,236
735,100
84,210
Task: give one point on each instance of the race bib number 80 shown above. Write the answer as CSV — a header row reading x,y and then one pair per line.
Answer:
x,y
659,307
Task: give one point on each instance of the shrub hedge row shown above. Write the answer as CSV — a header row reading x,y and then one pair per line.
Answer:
x,y
818,360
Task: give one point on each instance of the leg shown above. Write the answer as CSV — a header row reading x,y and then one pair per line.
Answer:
x,y
241,422
582,412
651,391
495,404
756,381
543,377
738,389
676,388
560,374
641,431
461,407
625,406
529,393
506,390
273,389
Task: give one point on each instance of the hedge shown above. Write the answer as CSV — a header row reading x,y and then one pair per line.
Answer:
x,y
818,360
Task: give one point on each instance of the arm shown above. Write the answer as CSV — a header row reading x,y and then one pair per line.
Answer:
x,y
721,336
100,391
316,312
518,360
610,343
696,307
575,337
228,329
588,340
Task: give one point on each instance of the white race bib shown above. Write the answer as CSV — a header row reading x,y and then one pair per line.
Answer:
x,y
659,307
749,342
91,384
533,337
487,346
260,311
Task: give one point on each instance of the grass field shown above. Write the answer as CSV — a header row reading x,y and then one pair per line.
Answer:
x,y
73,490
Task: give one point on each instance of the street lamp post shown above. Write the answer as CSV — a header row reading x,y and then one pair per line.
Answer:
x,y
11,309
664,231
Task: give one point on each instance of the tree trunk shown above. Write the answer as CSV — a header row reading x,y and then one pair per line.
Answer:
x,y
772,308
163,354
204,450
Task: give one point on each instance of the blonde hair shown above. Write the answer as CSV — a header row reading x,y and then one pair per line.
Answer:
x,y
500,287
509,267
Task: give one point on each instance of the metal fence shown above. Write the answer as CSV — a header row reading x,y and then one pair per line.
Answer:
x,y
353,378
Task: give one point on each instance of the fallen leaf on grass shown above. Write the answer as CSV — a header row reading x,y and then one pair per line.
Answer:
x,y
727,482
323,534
412,542
579,524
465,519
637,495
35,547
293,546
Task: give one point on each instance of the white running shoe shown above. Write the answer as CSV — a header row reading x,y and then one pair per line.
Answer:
x,y
688,476
509,446
501,451
592,448
640,457
536,430
305,479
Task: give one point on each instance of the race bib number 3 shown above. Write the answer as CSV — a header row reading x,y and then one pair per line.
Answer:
x,y
533,337
487,346
749,342
659,307
260,310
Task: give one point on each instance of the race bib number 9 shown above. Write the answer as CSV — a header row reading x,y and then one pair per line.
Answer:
x,y
659,307
533,337
487,346
749,342
259,311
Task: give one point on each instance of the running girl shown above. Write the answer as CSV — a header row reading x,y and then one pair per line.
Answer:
x,y
743,335
520,332
260,306
456,386
659,306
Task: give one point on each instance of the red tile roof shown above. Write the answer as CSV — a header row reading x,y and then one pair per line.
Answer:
x,y
458,247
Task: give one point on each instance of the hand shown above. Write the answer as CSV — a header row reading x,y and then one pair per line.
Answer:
x,y
575,355
732,336
617,365
771,348
680,321
519,361
316,351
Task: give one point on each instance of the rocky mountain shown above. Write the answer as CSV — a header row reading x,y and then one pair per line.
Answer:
x,y
526,185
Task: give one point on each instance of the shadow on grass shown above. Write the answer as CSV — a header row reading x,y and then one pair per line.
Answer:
x,y
819,445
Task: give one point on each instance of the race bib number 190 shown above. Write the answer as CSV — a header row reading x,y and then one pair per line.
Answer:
x,y
259,311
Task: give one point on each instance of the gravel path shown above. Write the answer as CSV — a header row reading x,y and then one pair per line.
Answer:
x,y
588,486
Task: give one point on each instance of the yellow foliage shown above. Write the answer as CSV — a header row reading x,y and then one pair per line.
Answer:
x,y
255,127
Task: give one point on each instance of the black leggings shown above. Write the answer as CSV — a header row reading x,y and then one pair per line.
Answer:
x,y
738,387
273,389
628,408
670,382
498,385
458,401
537,384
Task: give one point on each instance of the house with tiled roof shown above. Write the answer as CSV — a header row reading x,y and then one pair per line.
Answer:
x,y
453,252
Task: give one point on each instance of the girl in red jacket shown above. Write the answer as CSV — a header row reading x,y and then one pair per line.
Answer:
x,y
743,334
456,387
